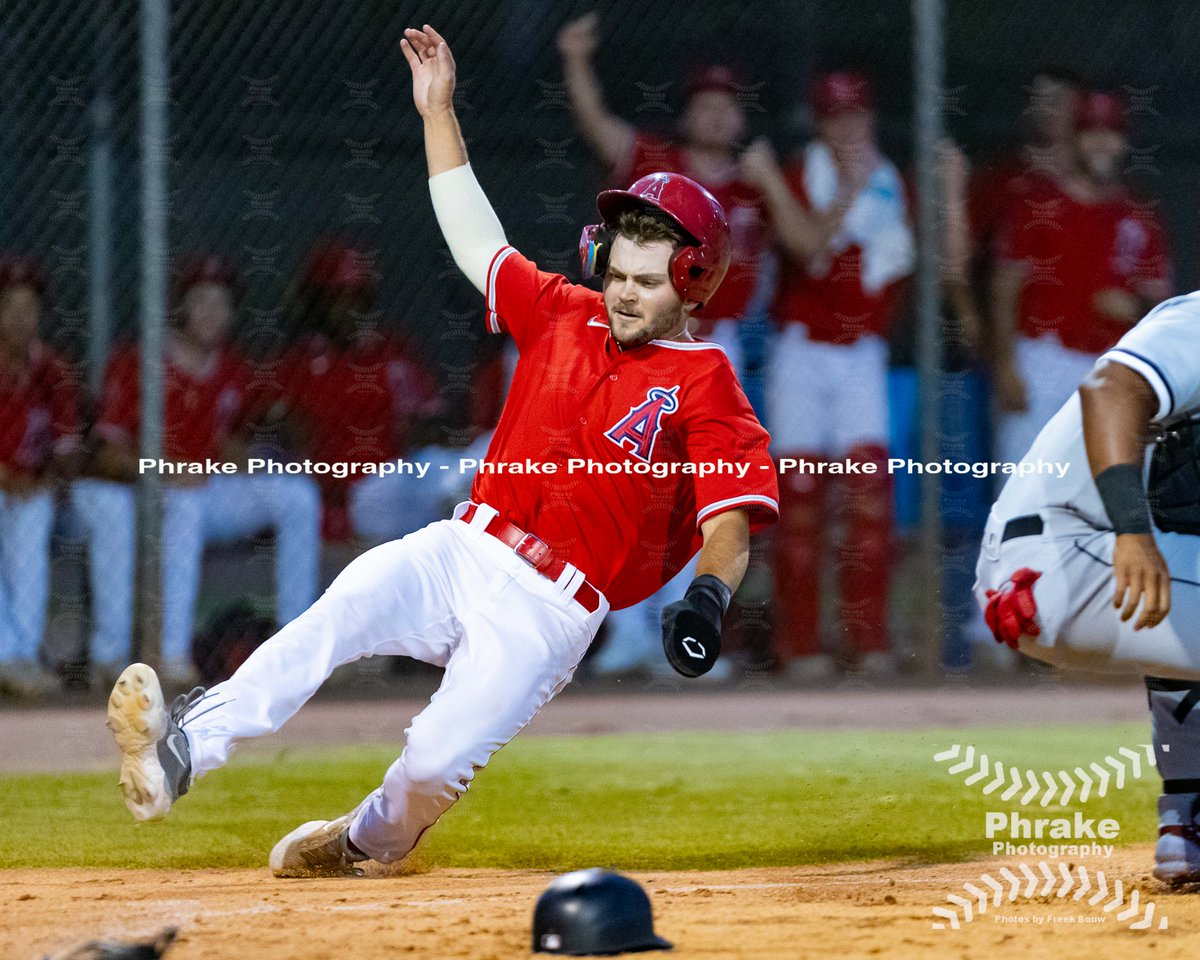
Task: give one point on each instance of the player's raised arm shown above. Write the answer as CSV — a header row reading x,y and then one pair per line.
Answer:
x,y
610,136
467,220
1118,405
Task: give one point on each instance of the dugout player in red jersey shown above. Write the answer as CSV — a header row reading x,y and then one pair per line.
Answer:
x,y
508,594
353,392
1048,118
841,216
39,443
710,130
204,415
1079,260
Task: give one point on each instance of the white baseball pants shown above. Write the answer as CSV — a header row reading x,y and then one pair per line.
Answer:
x,y
450,595
225,508
1080,628
823,397
25,526
1051,373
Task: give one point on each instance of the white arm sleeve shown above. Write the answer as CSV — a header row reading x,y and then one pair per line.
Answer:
x,y
469,224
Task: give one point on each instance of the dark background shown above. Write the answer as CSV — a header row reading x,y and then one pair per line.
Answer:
x,y
292,121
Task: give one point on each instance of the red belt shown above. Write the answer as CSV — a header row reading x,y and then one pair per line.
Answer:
x,y
537,554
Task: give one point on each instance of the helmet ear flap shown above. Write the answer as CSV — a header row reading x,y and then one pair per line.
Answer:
x,y
595,242
688,275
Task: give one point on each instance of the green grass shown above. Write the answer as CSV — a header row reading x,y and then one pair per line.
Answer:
x,y
671,801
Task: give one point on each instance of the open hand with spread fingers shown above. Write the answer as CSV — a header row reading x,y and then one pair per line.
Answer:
x,y
433,69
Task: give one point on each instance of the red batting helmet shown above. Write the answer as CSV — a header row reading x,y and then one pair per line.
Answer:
x,y
207,268
19,270
337,268
698,267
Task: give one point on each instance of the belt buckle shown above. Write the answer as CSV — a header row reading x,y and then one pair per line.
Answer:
x,y
533,550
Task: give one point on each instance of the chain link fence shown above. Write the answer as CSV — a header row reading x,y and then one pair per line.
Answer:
x,y
294,152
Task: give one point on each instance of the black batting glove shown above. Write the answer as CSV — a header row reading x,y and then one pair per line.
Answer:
x,y
692,626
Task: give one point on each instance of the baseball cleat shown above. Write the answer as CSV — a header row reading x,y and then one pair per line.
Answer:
x,y
1177,853
319,848
156,765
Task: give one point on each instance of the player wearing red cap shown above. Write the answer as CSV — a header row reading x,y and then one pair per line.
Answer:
x,y
594,494
841,217
1079,259
39,443
352,393
1048,118
204,419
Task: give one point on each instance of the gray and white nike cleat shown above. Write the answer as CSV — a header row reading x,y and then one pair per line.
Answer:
x,y
319,848
156,766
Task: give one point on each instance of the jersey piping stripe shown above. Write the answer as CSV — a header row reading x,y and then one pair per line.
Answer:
x,y
493,318
722,505
1144,365
697,345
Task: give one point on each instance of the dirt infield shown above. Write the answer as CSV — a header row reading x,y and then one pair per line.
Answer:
x,y
843,910
850,911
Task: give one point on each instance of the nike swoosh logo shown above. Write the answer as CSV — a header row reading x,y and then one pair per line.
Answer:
x,y
178,749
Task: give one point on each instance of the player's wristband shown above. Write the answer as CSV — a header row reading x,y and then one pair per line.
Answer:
x,y
710,595
1124,497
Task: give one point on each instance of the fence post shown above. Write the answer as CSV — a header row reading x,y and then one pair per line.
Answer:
x,y
929,60
100,201
155,99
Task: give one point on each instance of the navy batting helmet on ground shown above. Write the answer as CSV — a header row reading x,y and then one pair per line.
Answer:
x,y
594,912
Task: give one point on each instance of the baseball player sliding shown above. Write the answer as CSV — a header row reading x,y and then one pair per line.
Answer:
x,y
1101,569
508,594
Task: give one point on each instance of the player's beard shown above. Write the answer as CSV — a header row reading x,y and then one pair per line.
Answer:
x,y
662,325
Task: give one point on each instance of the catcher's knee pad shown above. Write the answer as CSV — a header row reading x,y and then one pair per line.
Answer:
x,y
1011,611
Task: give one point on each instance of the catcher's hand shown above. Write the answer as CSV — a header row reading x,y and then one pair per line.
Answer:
x,y
1141,577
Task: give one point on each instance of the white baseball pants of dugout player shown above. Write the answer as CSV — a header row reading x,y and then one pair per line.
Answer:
x,y
1051,373
223,509
25,526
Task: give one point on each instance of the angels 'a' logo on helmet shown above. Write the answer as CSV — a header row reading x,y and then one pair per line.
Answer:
x,y
655,189
636,432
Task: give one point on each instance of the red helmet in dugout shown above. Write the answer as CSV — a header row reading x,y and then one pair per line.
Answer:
x,y
699,265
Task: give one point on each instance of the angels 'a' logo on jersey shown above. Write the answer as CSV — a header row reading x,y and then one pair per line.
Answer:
x,y
636,432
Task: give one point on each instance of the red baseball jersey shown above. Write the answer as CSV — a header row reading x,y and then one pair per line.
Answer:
x,y
834,306
39,412
200,413
994,189
744,209
631,413
1072,251
356,402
